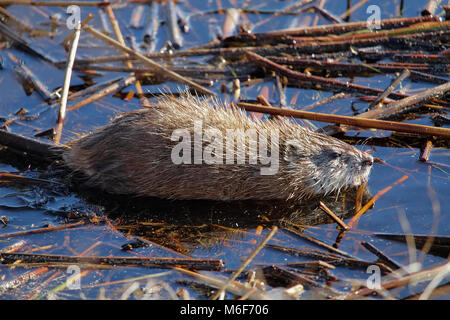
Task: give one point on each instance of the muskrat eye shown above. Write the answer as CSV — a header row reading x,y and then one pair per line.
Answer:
x,y
335,155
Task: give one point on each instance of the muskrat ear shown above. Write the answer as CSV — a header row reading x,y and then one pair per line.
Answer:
x,y
292,151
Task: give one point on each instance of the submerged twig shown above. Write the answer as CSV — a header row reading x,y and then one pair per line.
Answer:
x,y
245,263
332,215
200,264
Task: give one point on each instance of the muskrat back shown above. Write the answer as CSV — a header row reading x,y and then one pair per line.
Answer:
x,y
187,148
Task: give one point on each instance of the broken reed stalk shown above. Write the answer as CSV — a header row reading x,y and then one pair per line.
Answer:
x,y
173,30
116,86
426,151
426,77
15,246
354,220
370,247
282,49
329,258
41,230
349,68
431,7
290,277
390,88
28,145
351,121
245,263
351,9
332,215
317,242
12,177
407,103
37,292
119,37
72,34
414,29
199,264
413,278
336,29
22,279
161,70
67,77
27,75
235,287
326,14
316,81
337,96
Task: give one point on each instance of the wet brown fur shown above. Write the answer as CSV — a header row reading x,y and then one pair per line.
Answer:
x,y
132,155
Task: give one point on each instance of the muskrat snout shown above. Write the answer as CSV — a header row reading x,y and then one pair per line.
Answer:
x,y
368,162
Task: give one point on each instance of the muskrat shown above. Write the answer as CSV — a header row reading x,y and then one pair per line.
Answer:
x,y
184,148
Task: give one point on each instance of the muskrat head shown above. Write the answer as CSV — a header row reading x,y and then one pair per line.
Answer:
x,y
324,164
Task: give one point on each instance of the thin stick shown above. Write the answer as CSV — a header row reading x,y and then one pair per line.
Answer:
x,y
173,29
391,263
408,102
413,278
236,288
346,27
200,264
431,7
29,145
67,77
354,221
332,215
16,282
327,15
15,246
152,26
26,74
352,121
303,79
72,34
22,233
390,88
163,71
317,242
116,86
426,151
326,100
119,37
245,263
349,11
